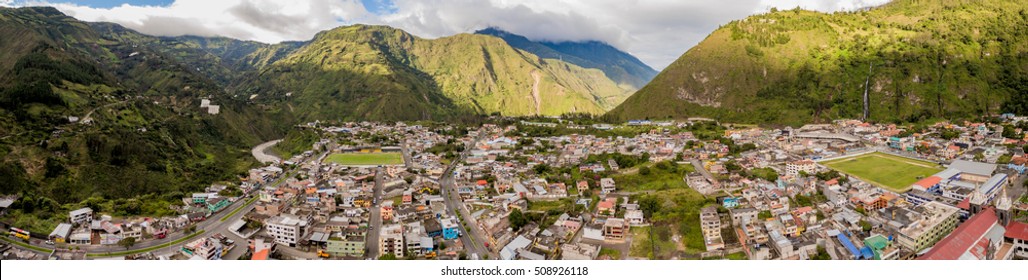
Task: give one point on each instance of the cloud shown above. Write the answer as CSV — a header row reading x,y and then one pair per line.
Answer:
x,y
656,31
261,20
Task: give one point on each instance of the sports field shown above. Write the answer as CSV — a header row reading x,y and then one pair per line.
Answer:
x,y
891,172
366,158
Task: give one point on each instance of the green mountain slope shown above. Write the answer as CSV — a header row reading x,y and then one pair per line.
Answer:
x,y
141,141
623,68
921,60
376,72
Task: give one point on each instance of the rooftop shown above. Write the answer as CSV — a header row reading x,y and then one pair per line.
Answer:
x,y
1017,230
963,238
917,220
976,168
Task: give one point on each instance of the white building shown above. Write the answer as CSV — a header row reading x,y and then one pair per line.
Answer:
x,y
285,230
80,216
806,166
606,185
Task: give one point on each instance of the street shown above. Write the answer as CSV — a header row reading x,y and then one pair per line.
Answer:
x,y
473,240
376,218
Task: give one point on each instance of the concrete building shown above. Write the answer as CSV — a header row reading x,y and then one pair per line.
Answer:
x,y
922,226
343,245
579,251
80,216
391,240
450,230
979,238
607,185
743,216
204,248
615,229
710,223
634,217
794,168
1017,235
285,230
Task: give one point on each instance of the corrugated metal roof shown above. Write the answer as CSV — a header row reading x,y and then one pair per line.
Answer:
x,y
977,168
849,245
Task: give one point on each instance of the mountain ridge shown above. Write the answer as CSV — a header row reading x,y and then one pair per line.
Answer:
x,y
620,66
922,59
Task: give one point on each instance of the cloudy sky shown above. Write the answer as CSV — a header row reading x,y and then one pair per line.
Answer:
x,y
656,31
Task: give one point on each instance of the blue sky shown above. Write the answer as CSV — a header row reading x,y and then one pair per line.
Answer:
x,y
655,31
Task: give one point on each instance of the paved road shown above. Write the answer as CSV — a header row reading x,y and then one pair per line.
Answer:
x,y
261,152
699,168
376,218
474,240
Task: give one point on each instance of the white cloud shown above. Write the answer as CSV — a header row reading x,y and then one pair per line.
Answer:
x,y
656,31
6,3
260,20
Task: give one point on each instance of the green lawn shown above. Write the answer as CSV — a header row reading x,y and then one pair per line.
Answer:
x,y
888,171
614,254
366,158
671,176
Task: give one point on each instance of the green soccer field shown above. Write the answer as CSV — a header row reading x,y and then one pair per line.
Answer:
x,y
366,158
888,171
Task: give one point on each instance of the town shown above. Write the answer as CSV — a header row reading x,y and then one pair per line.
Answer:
x,y
568,189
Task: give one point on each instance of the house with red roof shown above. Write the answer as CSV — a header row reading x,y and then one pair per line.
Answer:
x,y
1017,234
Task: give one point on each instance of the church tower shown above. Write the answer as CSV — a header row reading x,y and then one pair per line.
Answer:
x,y
977,201
1003,205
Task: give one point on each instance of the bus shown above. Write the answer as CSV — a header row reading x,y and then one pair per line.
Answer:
x,y
20,233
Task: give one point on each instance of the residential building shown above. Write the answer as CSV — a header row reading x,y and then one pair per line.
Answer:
x,y
346,245
450,230
922,226
391,240
806,166
615,229
80,216
204,248
710,223
579,251
607,185
634,217
285,230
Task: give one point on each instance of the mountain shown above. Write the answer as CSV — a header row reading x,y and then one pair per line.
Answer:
x,y
920,59
375,72
625,69
90,118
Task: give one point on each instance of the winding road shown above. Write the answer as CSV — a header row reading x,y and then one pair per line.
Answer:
x,y
260,152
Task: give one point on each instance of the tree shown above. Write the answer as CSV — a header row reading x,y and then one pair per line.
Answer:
x,y
645,171
865,226
191,229
517,219
390,256
764,215
127,242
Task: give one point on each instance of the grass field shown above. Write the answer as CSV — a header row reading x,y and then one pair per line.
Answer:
x,y
888,171
366,158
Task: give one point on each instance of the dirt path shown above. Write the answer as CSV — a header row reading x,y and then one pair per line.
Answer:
x,y
260,152
535,92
